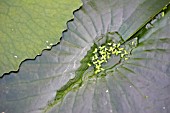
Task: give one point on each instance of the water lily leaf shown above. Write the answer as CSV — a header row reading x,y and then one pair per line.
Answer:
x,y
61,81
28,27
138,85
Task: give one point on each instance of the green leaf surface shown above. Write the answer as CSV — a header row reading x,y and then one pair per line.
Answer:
x,y
29,26
59,81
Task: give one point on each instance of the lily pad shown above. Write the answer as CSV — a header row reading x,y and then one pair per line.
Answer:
x,y
28,27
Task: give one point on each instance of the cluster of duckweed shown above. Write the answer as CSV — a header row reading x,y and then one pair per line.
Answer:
x,y
156,18
103,53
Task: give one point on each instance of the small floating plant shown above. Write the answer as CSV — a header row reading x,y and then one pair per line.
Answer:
x,y
103,53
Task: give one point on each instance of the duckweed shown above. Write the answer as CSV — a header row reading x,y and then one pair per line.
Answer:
x,y
103,53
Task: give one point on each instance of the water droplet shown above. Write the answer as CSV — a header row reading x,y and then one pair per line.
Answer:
x,y
12,29
82,86
105,103
146,97
48,47
72,75
111,111
107,91
16,56
163,107
130,86
6,92
148,26
51,44
47,41
153,21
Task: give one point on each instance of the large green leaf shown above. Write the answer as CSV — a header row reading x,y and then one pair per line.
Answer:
x,y
59,81
29,26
